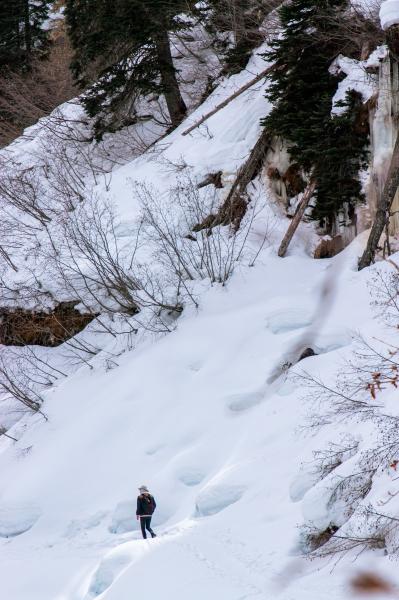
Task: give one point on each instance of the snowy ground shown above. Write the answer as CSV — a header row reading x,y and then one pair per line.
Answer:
x,y
207,416
192,416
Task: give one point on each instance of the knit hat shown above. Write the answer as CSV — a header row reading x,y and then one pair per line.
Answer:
x,y
143,488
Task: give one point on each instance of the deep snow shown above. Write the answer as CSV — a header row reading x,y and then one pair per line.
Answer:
x,y
192,416
207,416
389,13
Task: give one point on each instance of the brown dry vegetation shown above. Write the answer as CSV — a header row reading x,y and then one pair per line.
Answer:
x,y
26,97
19,327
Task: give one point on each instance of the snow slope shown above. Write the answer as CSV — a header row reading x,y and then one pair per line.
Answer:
x,y
192,416
207,416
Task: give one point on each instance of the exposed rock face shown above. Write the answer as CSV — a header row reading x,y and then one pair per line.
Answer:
x,y
19,327
393,39
288,184
307,353
329,247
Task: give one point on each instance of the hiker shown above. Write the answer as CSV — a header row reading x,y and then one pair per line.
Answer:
x,y
145,507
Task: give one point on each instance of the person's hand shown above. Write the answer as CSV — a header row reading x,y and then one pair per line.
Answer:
x,y
137,517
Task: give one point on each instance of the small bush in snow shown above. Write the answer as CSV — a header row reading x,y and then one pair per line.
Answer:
x,y
361,394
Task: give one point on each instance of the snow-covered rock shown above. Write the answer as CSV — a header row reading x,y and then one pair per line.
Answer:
x,y
357,78
389,13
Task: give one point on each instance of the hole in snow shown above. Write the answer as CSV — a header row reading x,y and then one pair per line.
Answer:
x,y
304,352
191,476
195,366
17,519
213,500
154,449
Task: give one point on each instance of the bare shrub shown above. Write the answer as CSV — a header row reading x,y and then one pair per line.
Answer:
x,y
372,530
130,277
146,271
22,381
313,538
356,395
23,190
358,32
356,543
327,460
169,223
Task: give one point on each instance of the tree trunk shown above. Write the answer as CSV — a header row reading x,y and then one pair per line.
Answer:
x,y
384,204
386,199
238,8
175,103
240,91
308,193
235,205
27,31
393,41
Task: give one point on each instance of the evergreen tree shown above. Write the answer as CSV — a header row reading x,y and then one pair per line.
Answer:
x,y
122,48
21,32
301,90
344,152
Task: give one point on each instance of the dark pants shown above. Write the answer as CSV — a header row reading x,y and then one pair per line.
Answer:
x,y
145,523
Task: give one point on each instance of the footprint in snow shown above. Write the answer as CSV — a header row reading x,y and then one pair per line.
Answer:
x,y
191,476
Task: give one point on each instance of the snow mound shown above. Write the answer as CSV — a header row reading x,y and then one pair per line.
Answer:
x,y
111,568
17,519
214,499
289,319
191,476
356,78
389,13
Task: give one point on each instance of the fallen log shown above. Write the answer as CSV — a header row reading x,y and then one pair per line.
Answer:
x,y
308,193
227,101
235,205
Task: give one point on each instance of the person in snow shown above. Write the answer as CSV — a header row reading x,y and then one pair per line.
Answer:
x,y
145,508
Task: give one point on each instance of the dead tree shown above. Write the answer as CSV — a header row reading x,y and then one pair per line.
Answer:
x,y
297,218
235,205
383,209
386,199
175,103
242,89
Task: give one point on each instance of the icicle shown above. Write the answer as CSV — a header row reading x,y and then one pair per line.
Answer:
x,y
383,126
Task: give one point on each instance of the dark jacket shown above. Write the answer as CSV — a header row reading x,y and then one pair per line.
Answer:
x,y
145,505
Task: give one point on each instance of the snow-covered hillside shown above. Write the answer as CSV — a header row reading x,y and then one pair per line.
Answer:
x,y
194,417
217,416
